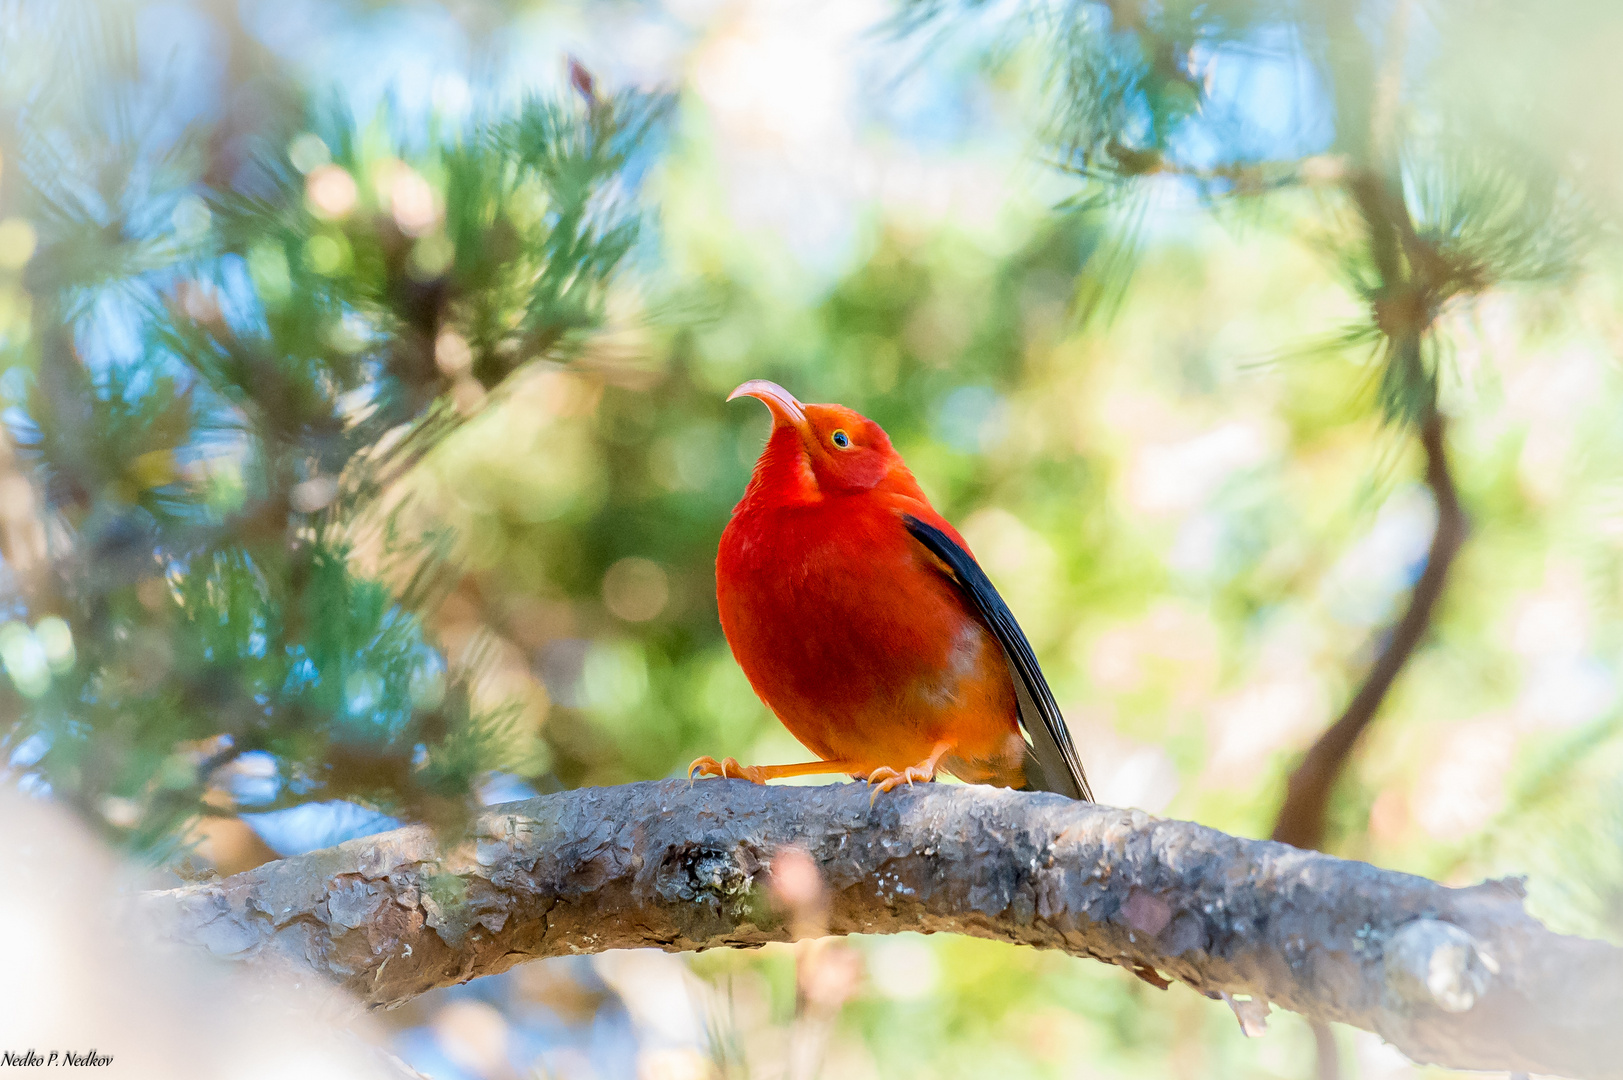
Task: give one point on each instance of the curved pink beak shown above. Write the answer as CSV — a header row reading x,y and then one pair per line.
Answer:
x,y
786,409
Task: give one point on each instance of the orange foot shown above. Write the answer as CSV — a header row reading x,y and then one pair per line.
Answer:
x,y
886,778
709,766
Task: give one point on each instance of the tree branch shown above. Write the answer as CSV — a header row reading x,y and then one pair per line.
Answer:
x,y
1462,977
1302,817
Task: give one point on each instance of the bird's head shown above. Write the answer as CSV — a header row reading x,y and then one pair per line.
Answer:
x,y
829,446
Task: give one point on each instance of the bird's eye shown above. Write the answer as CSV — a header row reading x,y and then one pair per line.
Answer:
x,y
841,439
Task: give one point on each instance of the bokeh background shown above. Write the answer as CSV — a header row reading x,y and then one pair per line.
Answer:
x,y
1151,415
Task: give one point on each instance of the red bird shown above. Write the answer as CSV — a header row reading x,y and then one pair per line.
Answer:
x,y
864,623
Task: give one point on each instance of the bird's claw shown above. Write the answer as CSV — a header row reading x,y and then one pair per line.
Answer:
x,y
886,778
726,767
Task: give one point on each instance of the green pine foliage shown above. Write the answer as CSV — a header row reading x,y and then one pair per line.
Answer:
x,y
1421,198
216,388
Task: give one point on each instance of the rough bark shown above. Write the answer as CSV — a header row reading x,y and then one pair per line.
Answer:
x,y
1462,977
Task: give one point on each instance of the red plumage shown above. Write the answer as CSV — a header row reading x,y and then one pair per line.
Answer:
x,y
854,634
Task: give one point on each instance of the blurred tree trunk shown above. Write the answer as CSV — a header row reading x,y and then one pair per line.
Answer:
x,y
1301,820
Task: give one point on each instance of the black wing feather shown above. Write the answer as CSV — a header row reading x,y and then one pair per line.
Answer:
x,y
1058,768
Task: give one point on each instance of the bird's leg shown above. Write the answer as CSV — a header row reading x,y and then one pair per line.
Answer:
x,y
885,778
760,774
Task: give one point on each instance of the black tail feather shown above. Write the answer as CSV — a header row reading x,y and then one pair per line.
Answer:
x,y
1052,763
